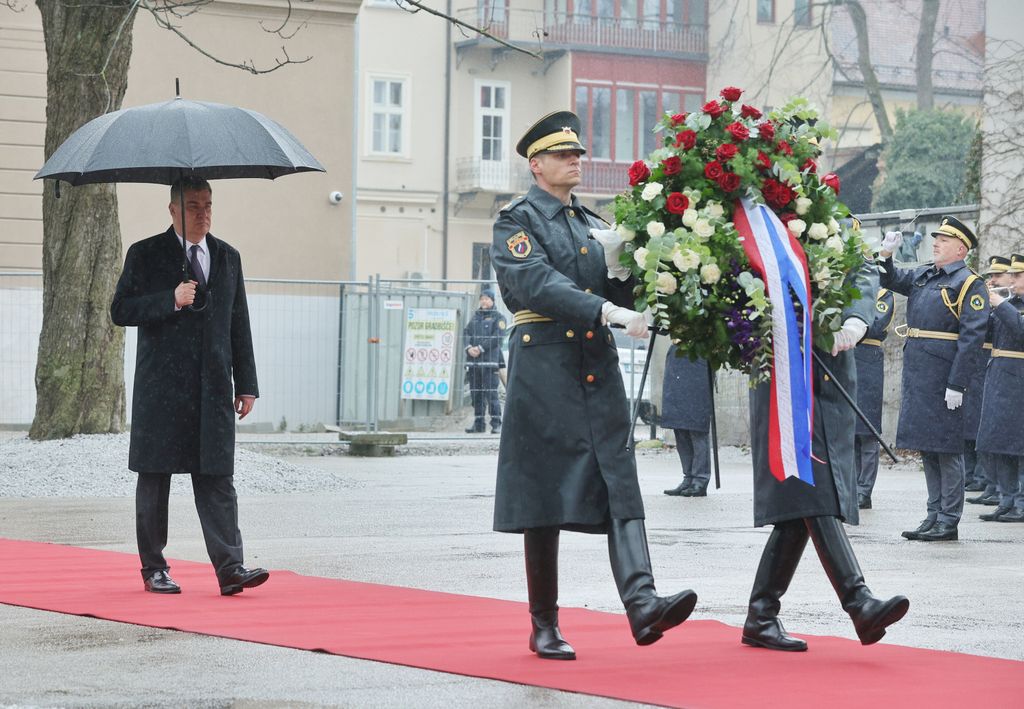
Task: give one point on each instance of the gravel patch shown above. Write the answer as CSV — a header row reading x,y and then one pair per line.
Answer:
x,y
97,466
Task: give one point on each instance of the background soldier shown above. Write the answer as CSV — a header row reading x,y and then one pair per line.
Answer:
x,y
686,409
483,338
947,314
870,359
565,461
1001,434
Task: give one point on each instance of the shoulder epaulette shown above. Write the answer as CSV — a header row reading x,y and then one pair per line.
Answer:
x,y
516,201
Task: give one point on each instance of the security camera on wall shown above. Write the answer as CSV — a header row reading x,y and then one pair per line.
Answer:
x,y
335,197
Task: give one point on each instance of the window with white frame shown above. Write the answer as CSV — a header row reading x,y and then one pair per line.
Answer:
x,y
492,120
389,101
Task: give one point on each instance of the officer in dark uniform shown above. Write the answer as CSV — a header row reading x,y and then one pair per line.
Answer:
x,y
947,316
995,276
870,359
1001,433
564,460
483,337
686,409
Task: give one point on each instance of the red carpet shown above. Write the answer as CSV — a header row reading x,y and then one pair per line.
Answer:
x,y
701,664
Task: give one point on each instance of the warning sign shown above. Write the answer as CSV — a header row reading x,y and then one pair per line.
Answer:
x,y
430,335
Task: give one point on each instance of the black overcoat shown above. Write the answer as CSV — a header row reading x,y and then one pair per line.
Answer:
x,y
870,359
686,394
563,459
189,365
486,330
930,366
1002,416
834,493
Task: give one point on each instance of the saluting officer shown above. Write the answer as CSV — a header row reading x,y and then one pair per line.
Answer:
x,y
483,337
870,360
564,460
947,315
1001,433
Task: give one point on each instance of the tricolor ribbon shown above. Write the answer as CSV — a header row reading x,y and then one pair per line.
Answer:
x,y
780,260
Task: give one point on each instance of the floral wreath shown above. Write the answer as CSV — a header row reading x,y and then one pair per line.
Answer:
x,y
689,258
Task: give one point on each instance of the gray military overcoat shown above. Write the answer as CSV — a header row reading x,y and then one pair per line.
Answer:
x,y
870,359
1001,429
563,459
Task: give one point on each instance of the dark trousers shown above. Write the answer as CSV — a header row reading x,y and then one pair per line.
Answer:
x,y
694,450
217,506
944,478
865,455
483,387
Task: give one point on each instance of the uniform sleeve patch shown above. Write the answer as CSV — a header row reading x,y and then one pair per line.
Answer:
x,y
882,306
501,324
977,302
519,244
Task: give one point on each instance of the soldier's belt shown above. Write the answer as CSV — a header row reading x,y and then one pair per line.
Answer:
x,y
522,317
870,341
987,346
927,334
1007,353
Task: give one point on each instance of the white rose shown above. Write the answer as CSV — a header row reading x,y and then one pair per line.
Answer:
x,y
666,283
802,205
835,243
655,229
703,229
715,210
651,190
796,227
823,276
686,260
817,231
833,226
625,232
641,257
710,273
693,196
690,217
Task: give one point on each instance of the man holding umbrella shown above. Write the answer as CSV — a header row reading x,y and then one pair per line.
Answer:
x,y
194,370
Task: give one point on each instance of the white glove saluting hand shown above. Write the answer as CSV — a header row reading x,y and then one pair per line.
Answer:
x,y
634,322
853,329
613,245
890,242
954,399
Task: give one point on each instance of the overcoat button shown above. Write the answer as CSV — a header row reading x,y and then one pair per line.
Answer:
x,y
526,338
587,290
583,250
570,333
590,378
572,212
827,378
590,334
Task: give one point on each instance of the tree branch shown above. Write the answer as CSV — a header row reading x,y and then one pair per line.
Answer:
x,y
459,23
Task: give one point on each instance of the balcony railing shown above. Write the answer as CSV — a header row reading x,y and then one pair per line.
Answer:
x,y
563,30
604,178
476,174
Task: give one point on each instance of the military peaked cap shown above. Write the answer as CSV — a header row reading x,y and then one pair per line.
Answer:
x,y
956,229
997,264
553,133
1016,264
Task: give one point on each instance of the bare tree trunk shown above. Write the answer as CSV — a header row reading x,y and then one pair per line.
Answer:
x,y
925,52
80,368
860,25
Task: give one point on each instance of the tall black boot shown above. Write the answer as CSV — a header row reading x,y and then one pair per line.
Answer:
x,y
779,560
649,615
870,615
541,547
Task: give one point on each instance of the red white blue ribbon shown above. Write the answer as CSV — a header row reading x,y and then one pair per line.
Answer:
x,y
780,260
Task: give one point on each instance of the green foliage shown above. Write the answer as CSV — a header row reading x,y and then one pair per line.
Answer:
x,y
927,160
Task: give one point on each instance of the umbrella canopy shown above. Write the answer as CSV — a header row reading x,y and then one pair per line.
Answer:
x,y
161,142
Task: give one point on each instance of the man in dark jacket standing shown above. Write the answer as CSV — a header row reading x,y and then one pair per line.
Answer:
x,y
565,461
193,340
483,337
686,409
870,359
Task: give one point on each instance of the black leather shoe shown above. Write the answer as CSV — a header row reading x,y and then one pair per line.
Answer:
x,y
940,532
546,639
995,514
161,582
863,502
678,490
496,429
990,500
650,618
1016,515
925,526
243,578
696,490
974,486
769,633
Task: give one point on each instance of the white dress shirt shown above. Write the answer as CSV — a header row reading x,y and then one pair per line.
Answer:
x,y
203,255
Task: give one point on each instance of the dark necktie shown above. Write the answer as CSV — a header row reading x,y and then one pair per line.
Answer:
x,y
197,270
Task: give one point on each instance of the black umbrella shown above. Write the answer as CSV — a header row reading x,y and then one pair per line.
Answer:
x,y
161,143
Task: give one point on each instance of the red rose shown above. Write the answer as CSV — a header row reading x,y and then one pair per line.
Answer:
x,y
638,172
784,147
677,203
738,131
763,162
731,93
832,180
678,118
809,165
713,170
750,112
766,131
713,109
726,152
787,217
776,194
672,165
729,181
686,139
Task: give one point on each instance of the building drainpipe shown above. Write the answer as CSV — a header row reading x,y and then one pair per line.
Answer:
x,y
353,241
447,142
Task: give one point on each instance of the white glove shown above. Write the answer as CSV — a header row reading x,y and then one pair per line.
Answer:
x,y
891,241
954,399
634,322
853,329
613,245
